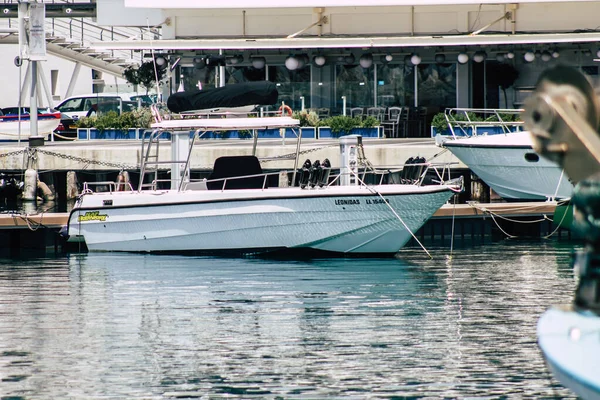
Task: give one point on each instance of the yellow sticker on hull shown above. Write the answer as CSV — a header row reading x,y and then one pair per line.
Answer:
x,y
92,216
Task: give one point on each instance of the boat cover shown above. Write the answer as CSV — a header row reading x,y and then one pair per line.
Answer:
x,y
234,95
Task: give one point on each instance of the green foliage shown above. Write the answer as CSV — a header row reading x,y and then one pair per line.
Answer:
x,y
307,118
439,122
369,122
341,123
140,118
144,75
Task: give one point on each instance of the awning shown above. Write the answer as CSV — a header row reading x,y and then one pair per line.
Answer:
x,y
161,4
351,42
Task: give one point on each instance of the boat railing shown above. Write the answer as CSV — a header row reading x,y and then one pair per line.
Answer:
x,y
107,186
466,121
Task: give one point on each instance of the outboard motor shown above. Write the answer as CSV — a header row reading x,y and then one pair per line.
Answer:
x,y
304,173
417,169
324,172
407,171
315,171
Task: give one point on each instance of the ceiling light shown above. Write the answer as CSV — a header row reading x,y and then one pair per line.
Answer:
x,y
546,56
440,58
555,53
258,62
366,60
479,56
529,56
349,59
415,59
510,55
319,60
463,58
291,63
160,61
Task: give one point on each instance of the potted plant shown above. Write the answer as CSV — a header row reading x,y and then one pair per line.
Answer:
x,y
111,125
341,125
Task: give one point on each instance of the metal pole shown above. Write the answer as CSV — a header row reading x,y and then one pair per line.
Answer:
x,y
344,105
33,108
221,72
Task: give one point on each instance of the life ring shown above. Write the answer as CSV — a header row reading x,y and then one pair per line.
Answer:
x,y
285,108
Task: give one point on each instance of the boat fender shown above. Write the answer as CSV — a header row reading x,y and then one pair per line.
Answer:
x,y
30,189
286,109
122,181
315,171
304,173
324,174
47,194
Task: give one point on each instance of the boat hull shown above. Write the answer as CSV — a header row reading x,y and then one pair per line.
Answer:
x,y
350,220
509,165
569,342
10,131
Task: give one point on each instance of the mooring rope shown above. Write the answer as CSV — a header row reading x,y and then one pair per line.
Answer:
x,y
372,190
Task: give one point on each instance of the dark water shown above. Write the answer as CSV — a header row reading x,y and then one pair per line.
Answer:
x,y
112,326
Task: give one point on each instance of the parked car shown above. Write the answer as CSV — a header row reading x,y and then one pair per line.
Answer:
x,y
67,129
79,106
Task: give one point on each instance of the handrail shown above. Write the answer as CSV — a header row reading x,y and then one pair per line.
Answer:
x,y
463,118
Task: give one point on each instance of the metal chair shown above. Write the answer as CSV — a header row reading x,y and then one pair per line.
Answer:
x,y
392,122
377,112
323,112
357,112
403,125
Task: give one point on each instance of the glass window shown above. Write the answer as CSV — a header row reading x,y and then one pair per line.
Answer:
x,y
437,85
71,105
194,78
291,85
356,83
395,85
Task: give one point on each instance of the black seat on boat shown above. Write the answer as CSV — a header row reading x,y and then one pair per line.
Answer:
x,y
236,166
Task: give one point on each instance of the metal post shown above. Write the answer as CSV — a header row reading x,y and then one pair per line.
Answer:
x,y
344,105
301,103
33,108
221,72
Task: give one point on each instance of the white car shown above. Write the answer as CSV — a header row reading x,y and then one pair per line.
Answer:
x,y
84,104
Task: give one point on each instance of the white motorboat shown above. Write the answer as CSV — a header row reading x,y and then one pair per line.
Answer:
x,y
508,164
568,339
14,128
248,215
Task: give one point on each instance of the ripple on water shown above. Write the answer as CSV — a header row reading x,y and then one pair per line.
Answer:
x,y
142,326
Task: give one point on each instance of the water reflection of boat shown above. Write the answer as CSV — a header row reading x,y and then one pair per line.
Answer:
x,y
241,209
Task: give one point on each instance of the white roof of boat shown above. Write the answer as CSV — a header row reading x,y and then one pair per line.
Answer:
x,y
227,123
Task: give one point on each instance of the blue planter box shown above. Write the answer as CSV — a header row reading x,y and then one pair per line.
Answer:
x,y
325,132
93,134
